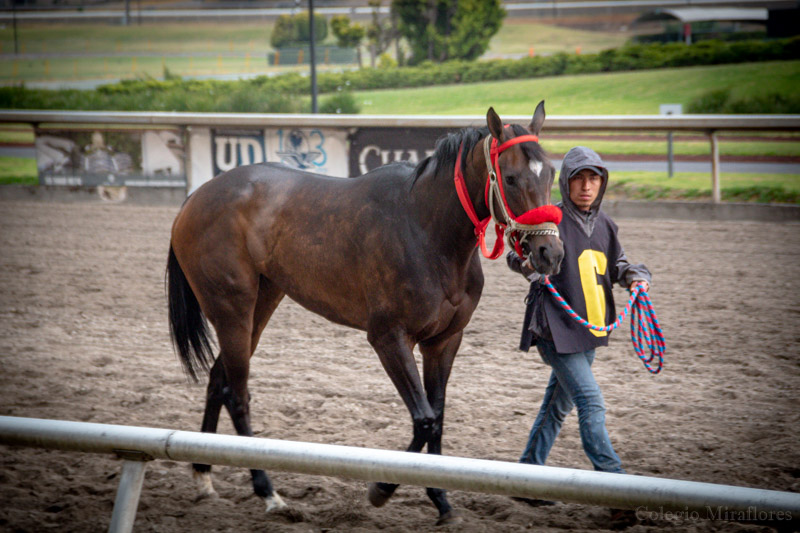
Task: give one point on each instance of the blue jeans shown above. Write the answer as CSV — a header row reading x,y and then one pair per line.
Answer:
x,y
571,383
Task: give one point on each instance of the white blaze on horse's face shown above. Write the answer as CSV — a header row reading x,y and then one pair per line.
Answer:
x,y
536,167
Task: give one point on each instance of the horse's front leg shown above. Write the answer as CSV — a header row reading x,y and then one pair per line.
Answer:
x,y
394,349
437,362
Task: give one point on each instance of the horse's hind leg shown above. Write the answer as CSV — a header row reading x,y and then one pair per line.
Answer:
x,y
238,330
214,399
269,296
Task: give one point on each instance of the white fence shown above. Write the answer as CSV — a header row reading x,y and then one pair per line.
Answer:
x,y
200,127
137,445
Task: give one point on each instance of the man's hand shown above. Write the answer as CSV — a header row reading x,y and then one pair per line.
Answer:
x,y
643,283
526,268
529,272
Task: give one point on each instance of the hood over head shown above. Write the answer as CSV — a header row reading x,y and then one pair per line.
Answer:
x,y
576,160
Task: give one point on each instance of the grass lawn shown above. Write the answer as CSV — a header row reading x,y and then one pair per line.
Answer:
x,y
619,93
16,134
658,146
194,37
205,48
18,170
764,188
519,35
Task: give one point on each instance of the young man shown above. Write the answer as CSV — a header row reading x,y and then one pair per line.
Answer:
x,y
593,261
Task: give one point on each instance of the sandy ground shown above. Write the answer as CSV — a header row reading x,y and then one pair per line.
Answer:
x,y
83,336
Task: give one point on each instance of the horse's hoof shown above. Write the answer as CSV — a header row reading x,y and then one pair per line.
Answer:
x,y
274,503
377,496
449,518
205,488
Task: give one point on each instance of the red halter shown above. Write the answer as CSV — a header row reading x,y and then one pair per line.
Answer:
x,y
525,222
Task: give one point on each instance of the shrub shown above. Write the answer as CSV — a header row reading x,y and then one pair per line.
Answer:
x,y
721,101
294,29
710,102
342,102
280,93
386,61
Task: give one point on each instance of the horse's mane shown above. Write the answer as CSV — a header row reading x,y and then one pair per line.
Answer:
x,y
446,152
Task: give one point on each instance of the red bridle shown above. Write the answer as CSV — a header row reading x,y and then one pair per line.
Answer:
x,y
542,220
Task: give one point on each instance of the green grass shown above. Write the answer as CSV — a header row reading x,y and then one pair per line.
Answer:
x,y
519,35
16,134
734,187
700,147
18,170
113,52
765,188
621,93
702,181
218,48
196,37
137,66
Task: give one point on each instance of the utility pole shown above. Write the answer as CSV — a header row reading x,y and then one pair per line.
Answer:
x,y
14,11
311,33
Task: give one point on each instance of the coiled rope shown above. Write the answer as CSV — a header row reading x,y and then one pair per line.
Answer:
x,y
646,334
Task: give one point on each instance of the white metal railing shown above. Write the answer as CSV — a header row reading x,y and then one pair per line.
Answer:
x,y
709,125
696,123
136,445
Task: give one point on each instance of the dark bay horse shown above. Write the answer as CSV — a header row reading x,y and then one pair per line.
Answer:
x,y
392,253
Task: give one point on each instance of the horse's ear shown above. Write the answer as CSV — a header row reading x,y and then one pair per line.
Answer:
x,y
538,119
495,124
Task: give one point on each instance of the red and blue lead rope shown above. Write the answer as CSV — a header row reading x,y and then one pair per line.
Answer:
x,y
646,334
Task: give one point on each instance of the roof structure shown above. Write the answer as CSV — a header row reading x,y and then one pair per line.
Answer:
x,y
706,14
689,15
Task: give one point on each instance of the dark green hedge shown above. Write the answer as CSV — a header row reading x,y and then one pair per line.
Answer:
x,y
281,93
631,57
721,101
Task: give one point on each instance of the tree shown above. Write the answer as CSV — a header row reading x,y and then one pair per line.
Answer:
x,y
381,33
292,30
348,34
439,30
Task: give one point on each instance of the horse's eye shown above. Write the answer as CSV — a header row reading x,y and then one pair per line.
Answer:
x,y
511,180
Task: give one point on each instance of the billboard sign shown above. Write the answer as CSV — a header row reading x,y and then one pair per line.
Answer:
x,y
92,157
322,151
371,148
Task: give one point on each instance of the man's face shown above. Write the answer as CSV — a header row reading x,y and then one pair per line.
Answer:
x,y
584,188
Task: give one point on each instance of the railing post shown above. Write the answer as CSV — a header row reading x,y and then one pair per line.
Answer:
x,y
130,488
716,196
670,156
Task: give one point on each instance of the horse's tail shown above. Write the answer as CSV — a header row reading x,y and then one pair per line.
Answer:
x,y
188,328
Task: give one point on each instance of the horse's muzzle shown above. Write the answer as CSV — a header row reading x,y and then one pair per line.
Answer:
x,y
544,252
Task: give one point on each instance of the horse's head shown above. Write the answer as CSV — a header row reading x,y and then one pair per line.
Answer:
x,y
519,195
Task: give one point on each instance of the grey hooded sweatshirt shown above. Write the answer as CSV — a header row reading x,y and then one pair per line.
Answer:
x,y
593,261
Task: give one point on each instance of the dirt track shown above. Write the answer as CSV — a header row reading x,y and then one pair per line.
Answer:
x,y
83,336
